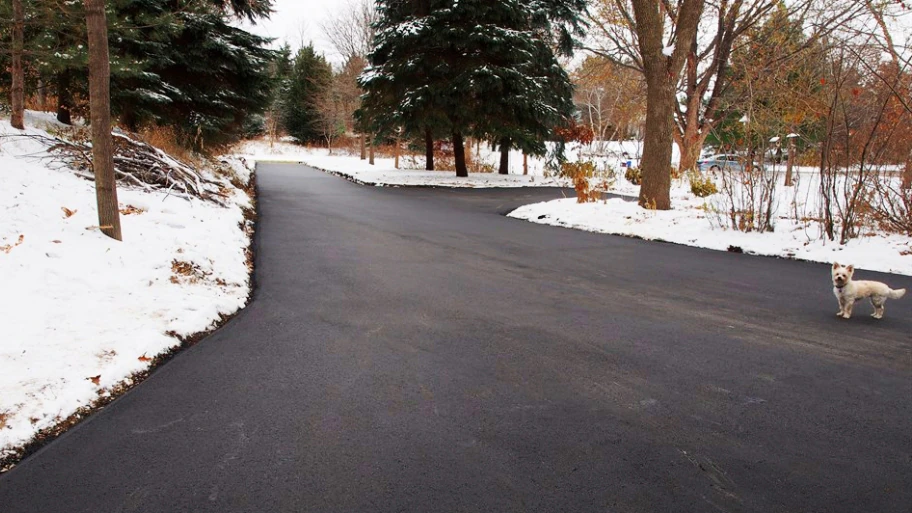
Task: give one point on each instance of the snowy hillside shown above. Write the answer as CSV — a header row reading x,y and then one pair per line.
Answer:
x,y
81,312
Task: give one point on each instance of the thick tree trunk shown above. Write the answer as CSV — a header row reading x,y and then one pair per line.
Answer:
x,y
64,97
655,190
363,147
18,86
459,155
504,156
661,69
100,110
428,150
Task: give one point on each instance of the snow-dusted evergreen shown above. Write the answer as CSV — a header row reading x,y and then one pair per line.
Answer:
x,y
469,68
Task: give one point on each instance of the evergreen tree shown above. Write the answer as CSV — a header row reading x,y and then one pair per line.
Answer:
x,y
309,79
471,68
191,70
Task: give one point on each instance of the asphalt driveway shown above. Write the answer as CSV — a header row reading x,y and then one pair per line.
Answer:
x,y
415,350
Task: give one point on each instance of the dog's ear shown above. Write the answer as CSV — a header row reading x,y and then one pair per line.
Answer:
x,y
835,265
850,268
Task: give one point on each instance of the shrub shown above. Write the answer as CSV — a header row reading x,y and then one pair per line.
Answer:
x,y
633,175
581,173
702,186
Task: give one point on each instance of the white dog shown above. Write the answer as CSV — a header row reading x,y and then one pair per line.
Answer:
x,y
848,291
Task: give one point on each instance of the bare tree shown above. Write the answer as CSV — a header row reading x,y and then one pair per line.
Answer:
x,y
349,29
332,111
18,87
700,103
100,112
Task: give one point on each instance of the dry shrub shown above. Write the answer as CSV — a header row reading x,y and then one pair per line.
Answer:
x,y
581,173
169,140
702,186
748,199
633,175
891,207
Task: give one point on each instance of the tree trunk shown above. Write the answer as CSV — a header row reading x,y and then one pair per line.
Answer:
x,y
691,144
428,150
18,86
661,69
363,147
525,164
789,164
370,151
459,156
100,111
655,190
64,97
504,156
396,153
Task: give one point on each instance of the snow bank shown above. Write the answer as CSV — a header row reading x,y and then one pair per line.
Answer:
x,y
82,312
698,222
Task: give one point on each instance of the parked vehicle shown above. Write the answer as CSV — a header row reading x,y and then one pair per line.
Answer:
x,y
723,161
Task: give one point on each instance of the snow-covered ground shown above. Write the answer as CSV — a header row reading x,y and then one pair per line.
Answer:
x,y
80,312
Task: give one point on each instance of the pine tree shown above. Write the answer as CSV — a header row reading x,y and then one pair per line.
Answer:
x,y
191,70
310,77
471,68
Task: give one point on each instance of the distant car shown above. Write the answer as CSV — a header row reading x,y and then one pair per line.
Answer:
x,y
723,161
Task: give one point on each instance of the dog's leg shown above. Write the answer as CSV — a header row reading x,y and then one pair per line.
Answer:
x,y
847,309
878,302
841,311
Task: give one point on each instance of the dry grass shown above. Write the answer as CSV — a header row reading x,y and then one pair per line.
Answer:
x,y
170,141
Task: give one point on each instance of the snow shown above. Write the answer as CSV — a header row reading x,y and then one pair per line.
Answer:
x,y
77,305
385,174
702,223
668,51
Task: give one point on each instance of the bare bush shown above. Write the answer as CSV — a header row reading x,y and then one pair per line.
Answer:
x,y
748,199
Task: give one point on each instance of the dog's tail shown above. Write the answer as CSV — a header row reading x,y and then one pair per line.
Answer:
x,y
898,293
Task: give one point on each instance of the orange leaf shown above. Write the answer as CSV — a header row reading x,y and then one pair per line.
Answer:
x,y
145,358
9,247
67,212
95,379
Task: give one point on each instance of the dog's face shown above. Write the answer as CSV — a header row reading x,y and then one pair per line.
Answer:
x,y
842,274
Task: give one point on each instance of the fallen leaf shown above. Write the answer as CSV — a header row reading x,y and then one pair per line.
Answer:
x,y
145,358
67,212
95,379
9,247
56,241
130,209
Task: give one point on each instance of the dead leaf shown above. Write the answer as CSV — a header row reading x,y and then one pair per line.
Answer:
x,y
67,212
56,241
145,358
130,209
9,247
95,379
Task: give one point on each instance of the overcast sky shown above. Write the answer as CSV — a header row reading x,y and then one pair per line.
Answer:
x,y
295,21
